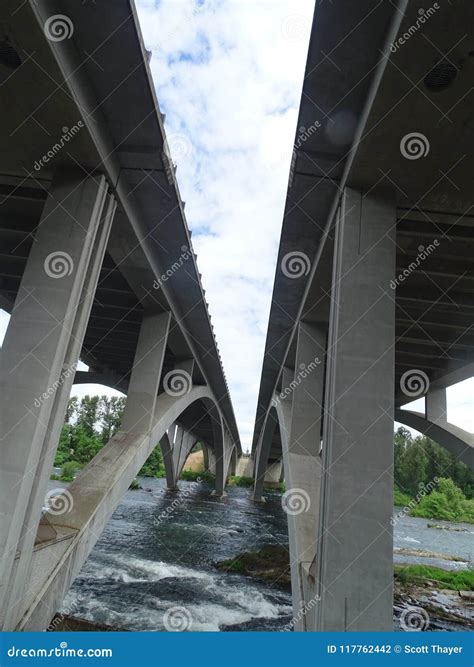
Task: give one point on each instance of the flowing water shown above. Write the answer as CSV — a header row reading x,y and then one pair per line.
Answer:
x,y
158,552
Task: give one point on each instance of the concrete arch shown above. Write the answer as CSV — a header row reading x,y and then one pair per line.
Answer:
x,y
94,495
458,442
279,416
186,453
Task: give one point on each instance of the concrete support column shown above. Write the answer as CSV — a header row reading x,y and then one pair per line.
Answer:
x,y
167,452
182,451
233,462
223,454
146,374
263,450
355,546
211,460
205,455
436,405
38,361
302,460
272,474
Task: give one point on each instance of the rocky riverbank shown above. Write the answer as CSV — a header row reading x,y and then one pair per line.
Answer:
x,y
446,605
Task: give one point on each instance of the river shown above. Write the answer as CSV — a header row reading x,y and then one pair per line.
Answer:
x,y
158,551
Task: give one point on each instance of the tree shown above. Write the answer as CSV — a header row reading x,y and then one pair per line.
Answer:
x,y
154,466
110,414
421,460
71,409
87,414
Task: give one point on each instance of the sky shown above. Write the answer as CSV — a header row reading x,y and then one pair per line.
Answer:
x,y
231,91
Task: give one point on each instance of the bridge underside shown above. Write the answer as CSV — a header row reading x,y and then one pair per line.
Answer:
x,y
97,265
374,293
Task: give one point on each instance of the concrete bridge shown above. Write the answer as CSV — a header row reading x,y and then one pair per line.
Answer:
x,y
373,299
97,264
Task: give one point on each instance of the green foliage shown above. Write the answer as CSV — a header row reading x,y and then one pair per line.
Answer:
x,y
419,460
236,480
195,476
110,413
89,425
70,469
135,485
457,580
232,565
447,502
154,466
400,499
468,510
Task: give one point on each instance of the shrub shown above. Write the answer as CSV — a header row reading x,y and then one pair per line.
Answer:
x,y
69,471
236,480
400,499
446,502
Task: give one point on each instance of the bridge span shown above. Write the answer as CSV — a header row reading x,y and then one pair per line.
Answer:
x,y
372,303
96,264
373,298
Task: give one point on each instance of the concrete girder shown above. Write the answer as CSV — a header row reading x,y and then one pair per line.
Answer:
x,y
139,197
108,379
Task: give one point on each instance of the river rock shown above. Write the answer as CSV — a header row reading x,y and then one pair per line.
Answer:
x,y
270,563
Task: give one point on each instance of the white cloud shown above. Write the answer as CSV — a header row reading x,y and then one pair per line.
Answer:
x,y
229,76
